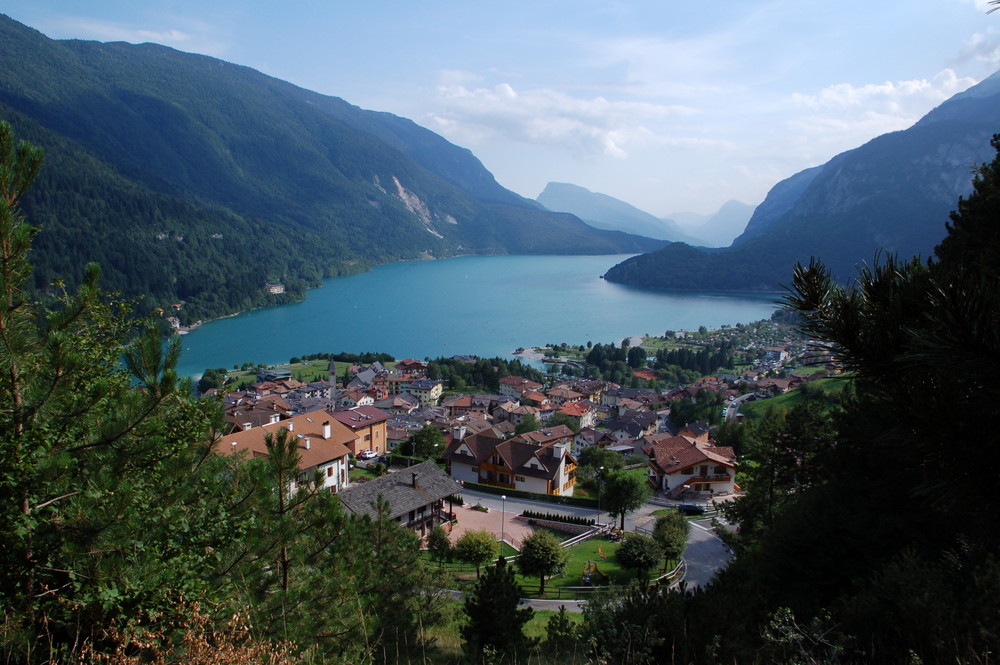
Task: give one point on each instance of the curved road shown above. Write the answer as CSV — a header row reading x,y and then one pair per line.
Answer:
x,y
704,555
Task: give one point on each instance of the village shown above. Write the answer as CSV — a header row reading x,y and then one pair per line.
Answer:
x,y
387,429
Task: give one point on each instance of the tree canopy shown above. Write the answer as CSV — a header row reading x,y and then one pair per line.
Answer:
x,y
623,493
117,515
541,555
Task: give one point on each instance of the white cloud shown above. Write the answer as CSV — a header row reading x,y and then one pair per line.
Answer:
x,y
848,114
586,127
983,47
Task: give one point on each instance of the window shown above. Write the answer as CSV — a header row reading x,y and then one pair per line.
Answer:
x,y
329,472
519,479
368,437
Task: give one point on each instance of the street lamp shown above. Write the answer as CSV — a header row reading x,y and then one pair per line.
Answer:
x,y
503,518
600,481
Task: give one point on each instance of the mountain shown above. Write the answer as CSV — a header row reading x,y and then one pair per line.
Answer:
x,y
195,181
606,212
893,194
718,230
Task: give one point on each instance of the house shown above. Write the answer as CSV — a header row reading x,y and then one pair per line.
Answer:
x,y
582,412
776,354
514,413
697,430
322,447
273,374
368,425
634,425
589,436
411,366
771,387
401,404
548,436
533,398
416,496
353,398
512,387
591,389
545,411
457,405
428,391
642,395
562,394
483,458
246,414
397,383
680,464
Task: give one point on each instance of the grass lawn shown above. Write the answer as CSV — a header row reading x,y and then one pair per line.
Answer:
x,y
448,639
830,389
306,372
461,576
357,473
579,555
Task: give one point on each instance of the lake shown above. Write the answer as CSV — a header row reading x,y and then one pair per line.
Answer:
x,y
476,305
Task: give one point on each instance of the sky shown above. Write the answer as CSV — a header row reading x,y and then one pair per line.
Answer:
x,y
670,105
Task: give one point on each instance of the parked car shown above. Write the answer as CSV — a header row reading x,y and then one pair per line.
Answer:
x,y
691,509
367,454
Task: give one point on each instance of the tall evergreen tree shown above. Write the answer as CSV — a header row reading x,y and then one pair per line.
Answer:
x,y
495,624
100,522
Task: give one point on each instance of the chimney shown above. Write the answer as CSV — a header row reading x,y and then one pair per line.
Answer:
x,y
558,451
305,440
458,433
414,479
326,429
291,424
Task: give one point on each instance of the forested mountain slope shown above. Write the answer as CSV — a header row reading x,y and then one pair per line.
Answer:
x,y
195,180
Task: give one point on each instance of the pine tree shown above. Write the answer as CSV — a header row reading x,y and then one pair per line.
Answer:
x,y
494,621
100,520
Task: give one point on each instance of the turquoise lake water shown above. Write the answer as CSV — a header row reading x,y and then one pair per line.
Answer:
x,y
477,305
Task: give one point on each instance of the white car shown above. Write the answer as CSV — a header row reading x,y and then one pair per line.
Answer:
x,y
367,454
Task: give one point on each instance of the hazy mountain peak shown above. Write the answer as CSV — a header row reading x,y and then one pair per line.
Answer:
x,y
607,212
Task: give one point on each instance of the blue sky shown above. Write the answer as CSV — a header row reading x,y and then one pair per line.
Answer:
x,y
670,105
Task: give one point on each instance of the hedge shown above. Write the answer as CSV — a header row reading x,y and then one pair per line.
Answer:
x,y
556,517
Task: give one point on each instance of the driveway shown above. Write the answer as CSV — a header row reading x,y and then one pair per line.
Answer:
x,y
497,521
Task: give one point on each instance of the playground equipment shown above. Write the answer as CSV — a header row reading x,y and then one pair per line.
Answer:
x,y
600,553
592,574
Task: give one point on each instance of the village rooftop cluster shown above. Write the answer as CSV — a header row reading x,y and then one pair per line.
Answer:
x,y
338,426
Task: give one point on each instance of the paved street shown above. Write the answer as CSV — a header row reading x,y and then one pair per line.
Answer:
x,y
704,555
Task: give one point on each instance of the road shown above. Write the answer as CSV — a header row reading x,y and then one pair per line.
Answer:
x,y
704,555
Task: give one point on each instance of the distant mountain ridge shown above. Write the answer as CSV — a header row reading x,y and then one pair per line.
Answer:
x,y
893,194
195,181
606,212
718,229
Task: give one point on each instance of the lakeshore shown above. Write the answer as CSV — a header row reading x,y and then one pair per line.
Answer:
x,y
486,306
